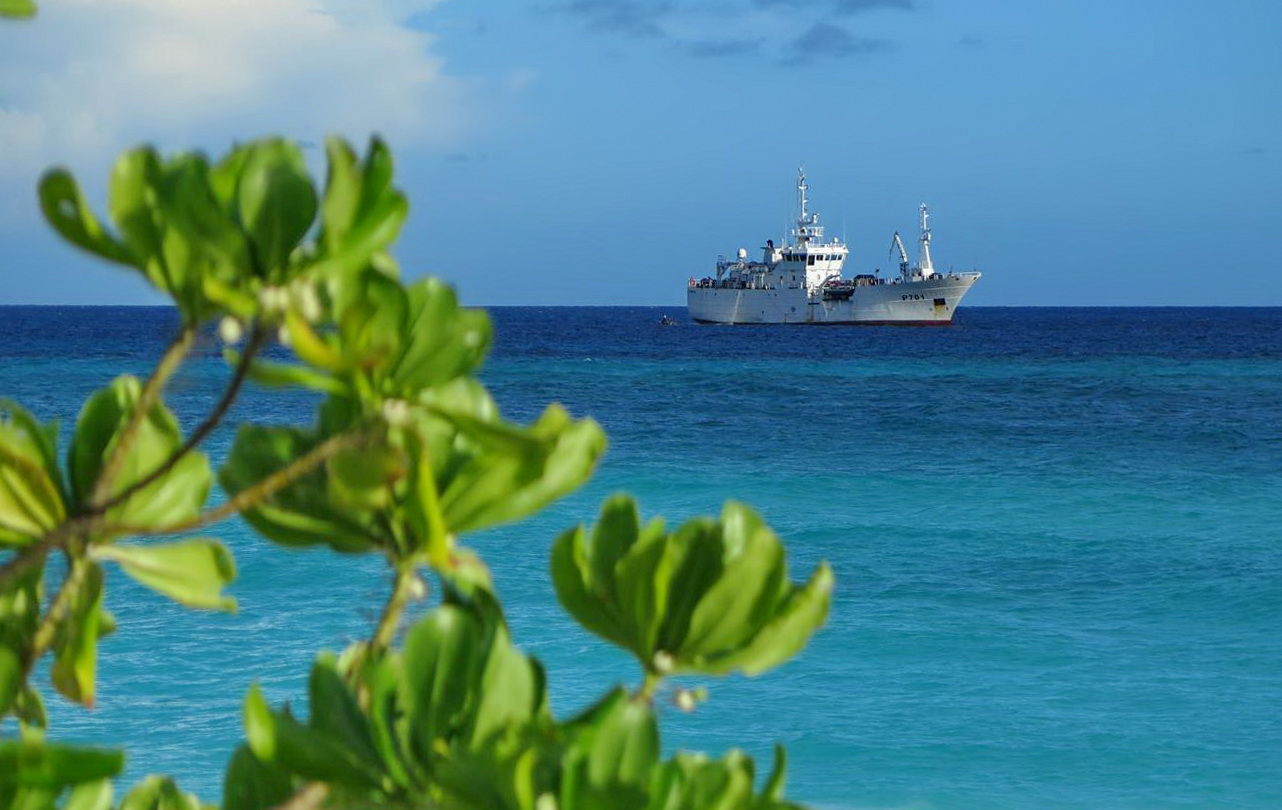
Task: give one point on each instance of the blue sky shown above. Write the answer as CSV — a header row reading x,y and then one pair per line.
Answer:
x,y
603,151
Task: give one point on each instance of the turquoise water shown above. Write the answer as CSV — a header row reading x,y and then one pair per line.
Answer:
x,y
1055,531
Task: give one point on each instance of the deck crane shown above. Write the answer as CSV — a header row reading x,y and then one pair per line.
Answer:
x,y
897,243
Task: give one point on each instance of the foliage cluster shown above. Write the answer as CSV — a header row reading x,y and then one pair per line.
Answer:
x,y
407,454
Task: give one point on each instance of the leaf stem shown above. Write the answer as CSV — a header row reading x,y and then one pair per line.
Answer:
x,y
257,337
402,589
169,363
649,686
252,496
78,566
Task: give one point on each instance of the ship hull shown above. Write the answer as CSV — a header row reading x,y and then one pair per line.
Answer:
x,y
930,302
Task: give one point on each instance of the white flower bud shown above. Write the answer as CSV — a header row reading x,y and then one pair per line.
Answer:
x,y
230,330
685,700
417,589
282,335
308,302
396,411
662,662
546,801
273,299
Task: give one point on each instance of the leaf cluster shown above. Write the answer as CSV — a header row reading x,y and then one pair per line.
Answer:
x,y
406,455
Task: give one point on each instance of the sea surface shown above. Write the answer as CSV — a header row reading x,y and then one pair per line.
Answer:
x,y
1057,535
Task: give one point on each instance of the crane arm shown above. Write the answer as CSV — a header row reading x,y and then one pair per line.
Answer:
x,y
898,244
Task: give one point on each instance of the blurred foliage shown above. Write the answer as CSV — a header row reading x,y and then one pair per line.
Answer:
x,y
407,453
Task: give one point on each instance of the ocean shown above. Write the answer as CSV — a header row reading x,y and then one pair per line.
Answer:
x,y
1057,536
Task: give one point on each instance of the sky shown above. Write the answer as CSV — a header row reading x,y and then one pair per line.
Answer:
x,y
572,152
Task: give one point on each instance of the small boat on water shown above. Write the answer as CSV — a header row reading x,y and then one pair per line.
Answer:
x,y
801,282
665,320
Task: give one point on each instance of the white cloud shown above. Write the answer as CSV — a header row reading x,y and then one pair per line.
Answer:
x,y
88,78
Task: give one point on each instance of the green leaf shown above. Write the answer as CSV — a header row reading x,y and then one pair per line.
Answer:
x,y
571,577
76,640
785,634
753,581
278,739
252,785
335,713
11,678
442,662
90,796
66,210
176,496
493,488
276,202
342,193
612,755
301,514
17,9
31,498
158,793
444,341
192,572
773,791
363,477
288,375
712,597
38,765
512,689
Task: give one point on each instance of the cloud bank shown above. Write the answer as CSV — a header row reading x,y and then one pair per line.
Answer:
x,y
90,77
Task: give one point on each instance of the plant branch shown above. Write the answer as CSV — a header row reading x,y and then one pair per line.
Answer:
x,y
257,336
308,797
169,363
77,567
402,590
252,496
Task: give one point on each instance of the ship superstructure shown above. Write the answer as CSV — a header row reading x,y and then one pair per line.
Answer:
x,y
801,281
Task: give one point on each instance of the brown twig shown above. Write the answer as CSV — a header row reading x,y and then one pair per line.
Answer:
x,y
169,363
78,566
252,496
402,590
257,337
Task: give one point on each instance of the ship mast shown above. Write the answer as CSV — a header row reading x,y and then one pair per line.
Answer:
x,y
924,264
808,226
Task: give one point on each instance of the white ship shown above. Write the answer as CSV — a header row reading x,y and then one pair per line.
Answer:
x,y
801,282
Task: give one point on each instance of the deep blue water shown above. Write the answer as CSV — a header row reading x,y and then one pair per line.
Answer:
x,y
1057,535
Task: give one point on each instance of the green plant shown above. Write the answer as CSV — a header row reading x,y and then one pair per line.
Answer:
x,y
407,454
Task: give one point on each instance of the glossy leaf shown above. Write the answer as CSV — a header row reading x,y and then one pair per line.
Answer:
x,y
31,498
75,662
158,793
334,712
711,597
40,765
301,514
491,488
65,209
19,617
276,203
17,9
177,495
442,660
191,572
614,749
251,785
90,796
278,739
